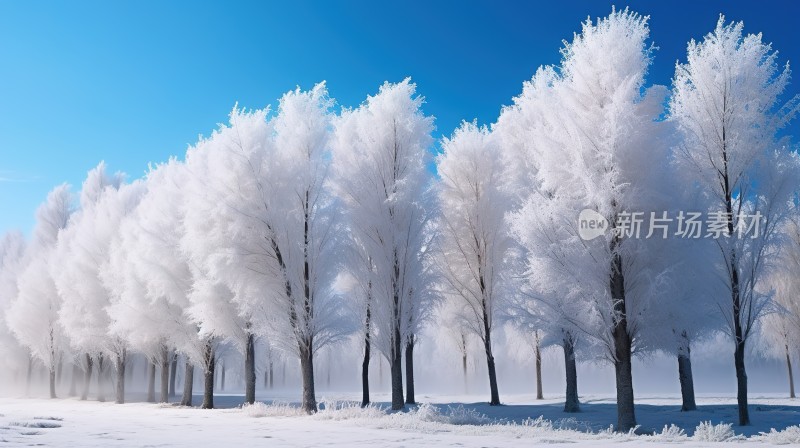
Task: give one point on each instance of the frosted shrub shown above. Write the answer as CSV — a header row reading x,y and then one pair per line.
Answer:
x,y
276,409
348,410
789,435
708,432
429,413
459,415
539,423
670,433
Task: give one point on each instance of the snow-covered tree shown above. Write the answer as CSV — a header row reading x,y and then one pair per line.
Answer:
x,y
473,238
151,280
82,248
726,104
33,315
222,190
597,148
542,302
12,261
379,158
267,186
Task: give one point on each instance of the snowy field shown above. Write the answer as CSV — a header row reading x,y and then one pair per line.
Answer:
x,y
441,421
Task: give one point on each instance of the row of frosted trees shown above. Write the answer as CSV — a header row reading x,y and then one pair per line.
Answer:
x,y
305,228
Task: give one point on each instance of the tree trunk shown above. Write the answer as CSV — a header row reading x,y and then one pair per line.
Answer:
x,y
687,381
250,370
487,346
495,395
120,366
538,349
271,374
571,404
151,382
307,367
222,376
87,378
52,382
396,368
188,380
60,369
626,417
101,390
741,382
164,398
29,376
410,399
173,374
73,385
464,360
367,343
365,367
789,366
208,376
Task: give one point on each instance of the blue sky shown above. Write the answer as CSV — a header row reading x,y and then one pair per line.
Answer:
x,y
136,82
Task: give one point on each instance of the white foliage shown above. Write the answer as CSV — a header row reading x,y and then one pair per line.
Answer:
x,y
83,251
33,315
473,240
12,262
585,134
726,105
379,158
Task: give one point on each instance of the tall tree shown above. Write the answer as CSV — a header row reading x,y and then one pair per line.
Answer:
x,y
598,150
83,249
543,303
149,277
33,315
726,104
474,241
12,262
379,158
265,181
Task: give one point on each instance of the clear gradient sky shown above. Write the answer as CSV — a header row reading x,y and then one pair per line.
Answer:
x,y
132,82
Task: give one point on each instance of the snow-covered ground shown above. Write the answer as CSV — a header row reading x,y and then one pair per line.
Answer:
x,y
441,421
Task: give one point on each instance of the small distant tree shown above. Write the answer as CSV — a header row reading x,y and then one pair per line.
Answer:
x,y
780,328
473,240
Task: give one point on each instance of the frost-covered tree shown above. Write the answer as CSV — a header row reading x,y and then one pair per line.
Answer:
x,y
82,249
451,315
726,104
598,149
267,186
379,158
12,262
151,279
473,238
33,315
543,301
